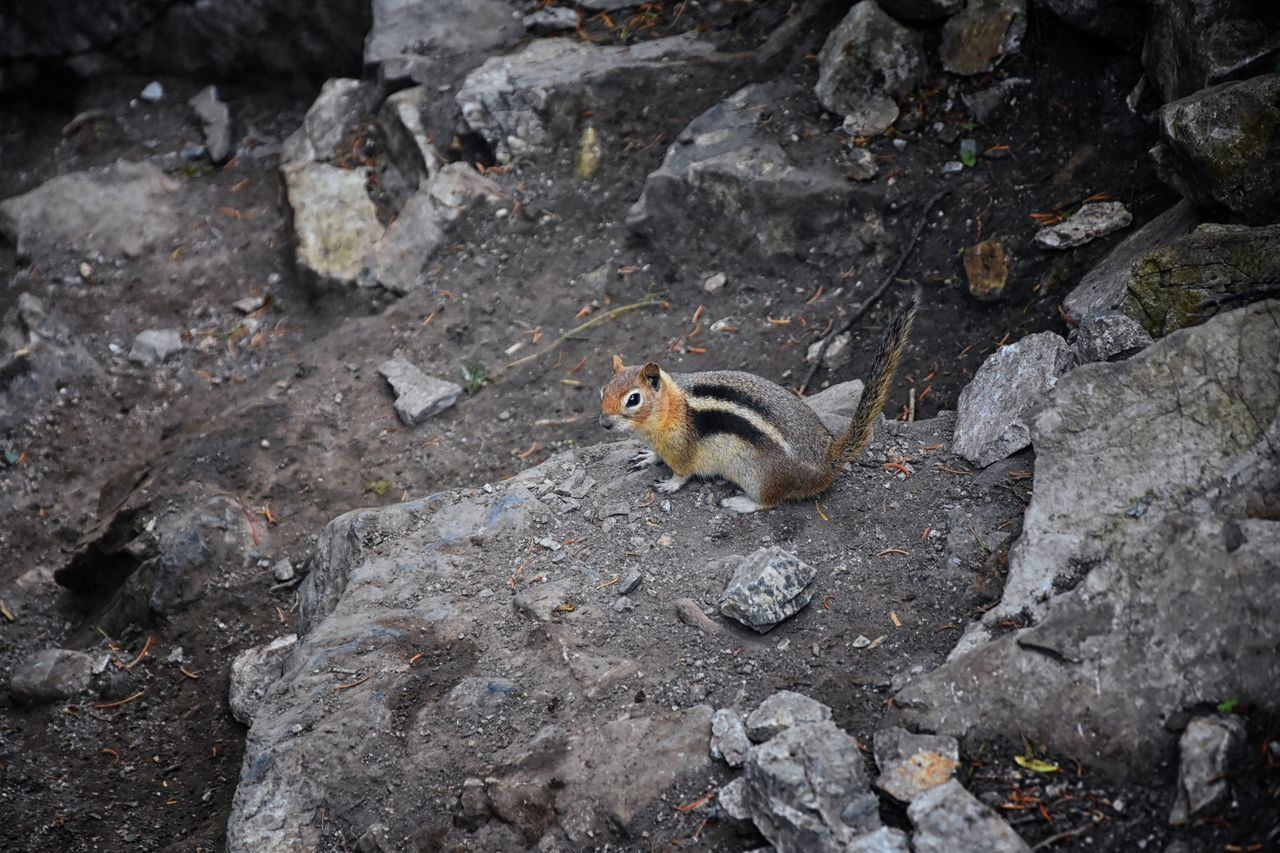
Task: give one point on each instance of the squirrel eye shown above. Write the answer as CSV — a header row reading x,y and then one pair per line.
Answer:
x,y
633,399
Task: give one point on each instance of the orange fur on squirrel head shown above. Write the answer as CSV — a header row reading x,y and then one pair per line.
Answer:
x,y
631,396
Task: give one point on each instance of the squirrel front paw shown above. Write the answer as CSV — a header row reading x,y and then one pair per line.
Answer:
x,y
671,485
643,459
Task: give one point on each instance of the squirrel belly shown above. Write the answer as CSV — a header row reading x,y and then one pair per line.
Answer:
x,y
744,428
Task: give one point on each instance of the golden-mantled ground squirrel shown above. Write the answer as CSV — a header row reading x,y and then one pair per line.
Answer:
x,y
746,429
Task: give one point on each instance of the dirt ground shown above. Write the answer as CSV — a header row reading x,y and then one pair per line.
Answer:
x,y
159,772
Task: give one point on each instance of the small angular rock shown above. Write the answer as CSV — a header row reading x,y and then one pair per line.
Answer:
x,y
911,764
1107,334
769,585
986,266
418,396
50,675
1091,221
975,40
807,789
994,410
553,19
252,674
1209,749
783,710
883,840
215,117
867,62
729,741
154,346
948,819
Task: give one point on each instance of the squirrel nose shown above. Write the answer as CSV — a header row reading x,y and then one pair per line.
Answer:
x,y
606,422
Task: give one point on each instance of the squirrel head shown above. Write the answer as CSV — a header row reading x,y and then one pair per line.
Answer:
x,y
631,397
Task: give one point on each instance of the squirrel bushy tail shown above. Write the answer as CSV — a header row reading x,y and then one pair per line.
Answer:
x,y
850,445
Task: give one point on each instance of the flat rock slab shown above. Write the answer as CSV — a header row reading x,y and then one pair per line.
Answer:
x,y
50,675
525,103
769,585
1122,545
807,789
948,819
866,64
1104,287
995,408
728,177
117,210
418,396
911,764
1091,221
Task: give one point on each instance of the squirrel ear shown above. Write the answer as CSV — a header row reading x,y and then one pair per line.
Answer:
x,y
617,365
652,375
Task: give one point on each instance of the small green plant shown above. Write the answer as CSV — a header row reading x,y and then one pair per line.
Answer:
x,y
1228,706
377,487
474,374
968,158
969,126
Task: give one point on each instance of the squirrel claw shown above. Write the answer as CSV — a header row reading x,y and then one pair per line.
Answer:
x,y
643,459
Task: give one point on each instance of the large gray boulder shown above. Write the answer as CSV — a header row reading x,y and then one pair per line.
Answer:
x,y
221,40
411,672
727,180
121,209
1103,288
1131,551
527,103
421,40
867,63
1191,44
921,10
1168,285
1117,21
1220,147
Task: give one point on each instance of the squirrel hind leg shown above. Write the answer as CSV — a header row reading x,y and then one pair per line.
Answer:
x,y
741,504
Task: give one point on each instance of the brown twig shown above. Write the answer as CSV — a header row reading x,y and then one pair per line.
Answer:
x,y
146,647
594,321
1064,835
104,705
879,291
